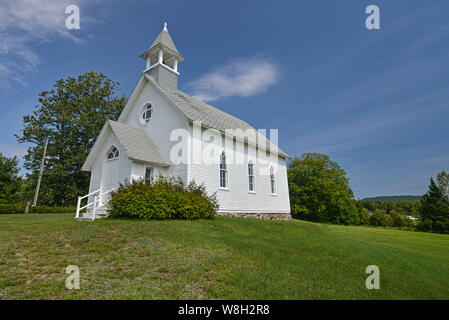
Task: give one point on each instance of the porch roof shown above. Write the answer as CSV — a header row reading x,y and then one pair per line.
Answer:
x,y
137,144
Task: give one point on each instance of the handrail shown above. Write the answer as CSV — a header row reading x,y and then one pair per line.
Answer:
x,y
98,195
78,204
101,194
99,190
99,199
87,205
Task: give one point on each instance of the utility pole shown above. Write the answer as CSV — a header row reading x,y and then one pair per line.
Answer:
x,y
36,194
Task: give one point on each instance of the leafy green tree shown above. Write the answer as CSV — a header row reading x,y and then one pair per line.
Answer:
x,y
434,210
9,179
443,183
379,219
71,116
319,190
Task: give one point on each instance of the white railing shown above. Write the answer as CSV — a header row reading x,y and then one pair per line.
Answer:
x,y
97,202
78,204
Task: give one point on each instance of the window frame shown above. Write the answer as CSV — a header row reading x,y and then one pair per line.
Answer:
x,y
145,109
273,186
145,174
226,172
116,153
251,175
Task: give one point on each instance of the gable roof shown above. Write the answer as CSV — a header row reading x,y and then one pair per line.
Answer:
x,y
136,143
196,110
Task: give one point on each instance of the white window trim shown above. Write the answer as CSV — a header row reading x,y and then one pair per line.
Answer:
x,y
144,108
227,174
110,150
253,175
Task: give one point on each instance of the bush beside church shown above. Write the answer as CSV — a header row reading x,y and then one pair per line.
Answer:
x,y
163,198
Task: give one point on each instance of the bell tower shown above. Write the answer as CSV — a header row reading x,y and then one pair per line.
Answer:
x,y
162,60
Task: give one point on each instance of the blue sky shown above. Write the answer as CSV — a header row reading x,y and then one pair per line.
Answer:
x,y
375,101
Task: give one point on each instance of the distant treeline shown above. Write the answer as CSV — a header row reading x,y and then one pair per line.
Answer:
x,y
399,213
392,198
408,207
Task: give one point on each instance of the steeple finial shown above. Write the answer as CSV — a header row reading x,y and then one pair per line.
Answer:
x,y
165,26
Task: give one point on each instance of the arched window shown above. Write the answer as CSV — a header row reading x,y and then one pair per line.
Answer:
x,y
272,181
147,113
223,171
114,153
251,186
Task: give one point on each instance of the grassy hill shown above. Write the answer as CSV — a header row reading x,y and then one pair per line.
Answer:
x,y
227,258
392,198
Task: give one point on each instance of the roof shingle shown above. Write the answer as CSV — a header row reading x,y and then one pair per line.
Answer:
x,y
137,143
209,116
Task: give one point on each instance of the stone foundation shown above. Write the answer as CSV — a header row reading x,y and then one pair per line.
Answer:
x,y
264,216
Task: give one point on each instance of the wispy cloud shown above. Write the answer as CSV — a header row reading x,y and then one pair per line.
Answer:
x,y
25,23
239,77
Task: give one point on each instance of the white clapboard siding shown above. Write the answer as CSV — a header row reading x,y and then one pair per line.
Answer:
x,y
165,119
237,197
98,174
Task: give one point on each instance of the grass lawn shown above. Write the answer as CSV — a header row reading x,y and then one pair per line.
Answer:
x,y
221,258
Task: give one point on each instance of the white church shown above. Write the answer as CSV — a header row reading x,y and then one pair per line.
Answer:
x,y
164,131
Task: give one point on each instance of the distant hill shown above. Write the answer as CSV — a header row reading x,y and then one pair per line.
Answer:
x,y
392,198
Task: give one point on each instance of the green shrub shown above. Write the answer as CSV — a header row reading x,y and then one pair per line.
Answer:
x,y
162,199
364,217
20,208
380,219
48,209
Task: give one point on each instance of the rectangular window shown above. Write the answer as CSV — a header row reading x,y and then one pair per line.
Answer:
x,y
273,187
148,174
222,178
223,171
251,176
273,184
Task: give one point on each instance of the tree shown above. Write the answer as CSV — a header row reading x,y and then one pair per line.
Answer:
x,y
443,183
71,116
319,190
434,210
9,179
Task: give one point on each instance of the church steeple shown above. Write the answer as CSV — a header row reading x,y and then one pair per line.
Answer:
x,y
162,60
